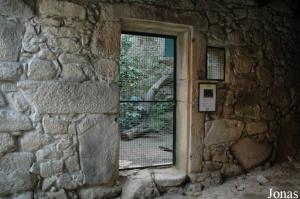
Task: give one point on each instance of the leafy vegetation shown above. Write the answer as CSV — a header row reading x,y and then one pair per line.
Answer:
x,y
135,80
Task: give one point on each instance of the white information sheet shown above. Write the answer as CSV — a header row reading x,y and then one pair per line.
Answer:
x,y
207,97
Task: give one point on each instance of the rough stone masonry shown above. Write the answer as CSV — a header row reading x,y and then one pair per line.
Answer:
x,y
59,90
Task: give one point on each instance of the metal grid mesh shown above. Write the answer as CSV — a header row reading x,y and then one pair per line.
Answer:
x,y
215,63
147,102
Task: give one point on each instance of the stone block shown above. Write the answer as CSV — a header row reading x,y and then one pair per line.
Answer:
x,y
10,71
250,153
65,44
210,166
48,153
61,194
207,178
230,170
61,9
100,192
68,58
70,181
7,143
169,177
72,164
48,182
235,37
32,141
248,111
217,32
73,72
70,97
14,121
51,168
107,69
26,195
10,39
220,131
19,102
15,8
2,100
265,76
106,40
140,185
244,64
55,125
14,173
256,127
41,70
219,155
64,144
99,149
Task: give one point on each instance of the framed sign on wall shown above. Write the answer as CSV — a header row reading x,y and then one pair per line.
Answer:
x,y
207,97
215,63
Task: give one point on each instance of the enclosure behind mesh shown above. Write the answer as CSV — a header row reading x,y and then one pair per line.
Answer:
x,y
215,63
147,100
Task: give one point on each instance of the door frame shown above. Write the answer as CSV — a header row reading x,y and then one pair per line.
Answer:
x,y
184,104
174,91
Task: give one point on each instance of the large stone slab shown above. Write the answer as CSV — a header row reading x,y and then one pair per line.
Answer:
x,y
9,71
10,39
15,8
169,177
99,148
14,173
61,9
71,97
250,153
14,121
140,185
219,131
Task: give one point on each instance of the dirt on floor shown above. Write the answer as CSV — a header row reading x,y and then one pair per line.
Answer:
x,y
150,150
280,181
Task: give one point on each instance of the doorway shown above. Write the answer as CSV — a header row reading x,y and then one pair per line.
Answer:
x,y
147,100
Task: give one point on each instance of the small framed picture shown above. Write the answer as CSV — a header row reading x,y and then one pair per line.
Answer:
x,y
207,97
215,63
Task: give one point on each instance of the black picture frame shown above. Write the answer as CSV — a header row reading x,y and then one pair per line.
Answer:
x,y
221,51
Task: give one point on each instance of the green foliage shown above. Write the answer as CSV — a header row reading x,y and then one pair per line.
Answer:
x,y
130,74
157,114
130,115
135,82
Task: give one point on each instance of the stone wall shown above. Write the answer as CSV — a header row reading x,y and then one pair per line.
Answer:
x,y
59,90
59,99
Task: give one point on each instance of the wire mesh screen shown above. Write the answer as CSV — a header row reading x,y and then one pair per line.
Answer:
x,y
147,101
215,63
